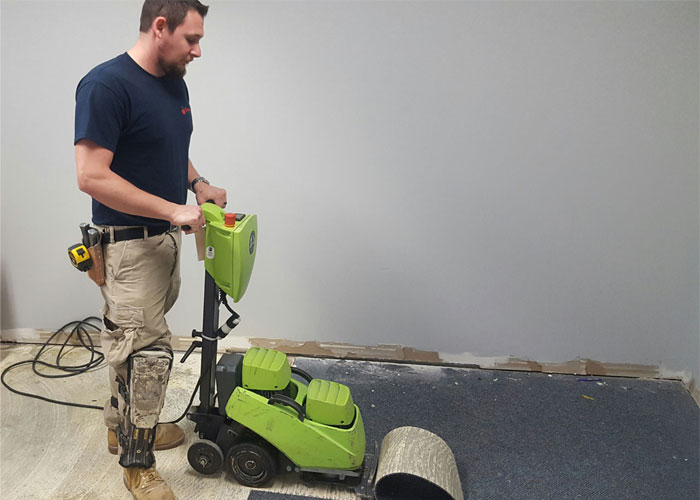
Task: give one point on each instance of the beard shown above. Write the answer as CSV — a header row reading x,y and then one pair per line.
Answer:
x,y
173,71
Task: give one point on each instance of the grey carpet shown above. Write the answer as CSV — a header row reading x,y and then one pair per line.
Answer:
x,y
532,436
264,495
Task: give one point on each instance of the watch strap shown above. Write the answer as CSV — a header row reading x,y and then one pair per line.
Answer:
x,y
196,180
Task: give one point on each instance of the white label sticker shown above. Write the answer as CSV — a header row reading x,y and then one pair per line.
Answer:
x,y
210,252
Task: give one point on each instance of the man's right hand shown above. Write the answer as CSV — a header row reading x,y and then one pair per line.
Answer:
x,y
188,215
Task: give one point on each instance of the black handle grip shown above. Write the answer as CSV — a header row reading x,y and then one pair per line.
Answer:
x,y
303,374
287,401
84,226
189,351
187,227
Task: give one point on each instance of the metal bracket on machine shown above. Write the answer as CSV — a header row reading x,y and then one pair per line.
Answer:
x,y
365,490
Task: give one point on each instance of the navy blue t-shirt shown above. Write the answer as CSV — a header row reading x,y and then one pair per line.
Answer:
x,y
146,122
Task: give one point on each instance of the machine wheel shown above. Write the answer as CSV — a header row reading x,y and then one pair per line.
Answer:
x,y
251,463
205,457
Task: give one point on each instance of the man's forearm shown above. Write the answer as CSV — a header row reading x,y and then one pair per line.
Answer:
x,y
119,194
192,173
97,179
202,190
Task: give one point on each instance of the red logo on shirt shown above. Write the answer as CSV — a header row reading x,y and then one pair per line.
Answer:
x,y
185,111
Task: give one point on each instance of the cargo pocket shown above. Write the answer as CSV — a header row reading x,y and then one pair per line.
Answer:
x,y
113,254
121,326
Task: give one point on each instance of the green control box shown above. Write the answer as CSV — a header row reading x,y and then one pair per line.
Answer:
x,y
231,245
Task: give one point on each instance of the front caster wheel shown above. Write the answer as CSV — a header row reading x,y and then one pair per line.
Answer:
x,y
205,457
252,464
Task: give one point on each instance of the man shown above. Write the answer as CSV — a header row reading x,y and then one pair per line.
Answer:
x,y
133,123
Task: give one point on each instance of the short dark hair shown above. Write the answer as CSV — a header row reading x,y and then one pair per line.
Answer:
x,y
174,12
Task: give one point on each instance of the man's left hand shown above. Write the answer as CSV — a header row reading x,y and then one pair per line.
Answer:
x,y
204,193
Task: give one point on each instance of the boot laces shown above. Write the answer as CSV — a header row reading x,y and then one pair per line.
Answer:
x,y
149,476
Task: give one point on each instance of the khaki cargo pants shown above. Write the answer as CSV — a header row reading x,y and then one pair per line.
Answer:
x,y
142,282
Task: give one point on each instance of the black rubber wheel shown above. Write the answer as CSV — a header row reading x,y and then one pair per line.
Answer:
x,y
205,457
251,463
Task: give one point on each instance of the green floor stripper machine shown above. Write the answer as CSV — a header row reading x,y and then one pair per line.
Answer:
x,y
258,416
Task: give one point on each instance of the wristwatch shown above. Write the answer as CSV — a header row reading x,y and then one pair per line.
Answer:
x,y
195,181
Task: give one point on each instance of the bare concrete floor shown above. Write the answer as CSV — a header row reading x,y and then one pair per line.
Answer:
x,y
57,452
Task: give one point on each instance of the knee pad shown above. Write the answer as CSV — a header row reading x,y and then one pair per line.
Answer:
x,y
147,378
149,371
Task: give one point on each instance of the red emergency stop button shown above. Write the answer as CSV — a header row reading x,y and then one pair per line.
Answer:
x,y
230,220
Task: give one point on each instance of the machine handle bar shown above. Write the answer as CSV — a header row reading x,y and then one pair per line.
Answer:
x,y
186,227
287,401
303,374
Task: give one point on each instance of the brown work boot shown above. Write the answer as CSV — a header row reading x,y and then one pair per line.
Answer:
x,y
167,436
145,483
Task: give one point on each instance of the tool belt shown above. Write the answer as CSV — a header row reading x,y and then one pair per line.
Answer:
x,y
88,255
97,272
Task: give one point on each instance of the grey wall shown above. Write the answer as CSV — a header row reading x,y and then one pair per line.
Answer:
x,y
493,178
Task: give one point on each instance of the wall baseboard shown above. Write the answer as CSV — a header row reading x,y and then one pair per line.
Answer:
x,y
397,354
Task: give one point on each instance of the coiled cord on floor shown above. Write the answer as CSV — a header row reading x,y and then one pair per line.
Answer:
x,y
80,329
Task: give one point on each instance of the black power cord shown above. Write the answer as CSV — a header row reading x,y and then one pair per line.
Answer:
x,y
79,329
223,298
189,405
